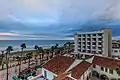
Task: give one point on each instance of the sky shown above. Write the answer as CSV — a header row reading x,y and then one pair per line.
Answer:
x,y
56,19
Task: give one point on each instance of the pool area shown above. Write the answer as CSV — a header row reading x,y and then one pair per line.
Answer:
x,y
40,79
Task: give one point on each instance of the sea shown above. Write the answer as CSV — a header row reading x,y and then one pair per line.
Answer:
x,y
30,44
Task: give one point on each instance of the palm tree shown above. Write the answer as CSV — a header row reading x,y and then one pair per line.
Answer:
x,y
18,59
2,62
56,48
8,50
23,46
47,53
36,48
29,56
52,50
40,49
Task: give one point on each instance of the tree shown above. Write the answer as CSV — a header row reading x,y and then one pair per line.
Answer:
x,y
23,46
8,50
52,50
47,53
18,59
40,49
36,48
1,59
56,48
29,56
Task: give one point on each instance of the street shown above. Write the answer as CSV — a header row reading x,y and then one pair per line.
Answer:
x,y
12,71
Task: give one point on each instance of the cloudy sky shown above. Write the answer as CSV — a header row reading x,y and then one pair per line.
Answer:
x,y
56,19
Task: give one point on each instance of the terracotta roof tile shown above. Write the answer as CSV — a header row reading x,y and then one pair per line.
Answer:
x,y
78,71
63,76
59,64
67,78
106,62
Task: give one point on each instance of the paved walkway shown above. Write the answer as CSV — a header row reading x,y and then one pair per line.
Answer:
x,y
12,72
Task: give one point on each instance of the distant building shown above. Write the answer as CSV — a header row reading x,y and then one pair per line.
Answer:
x,y
116,49
115,43
97,42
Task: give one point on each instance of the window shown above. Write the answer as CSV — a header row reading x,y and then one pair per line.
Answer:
x,y
45,74
110,71
88,51
79,35
88,35
99,34
106,69
94,43
88,43
94,34
99,52
83,51
83,35
115,51
100,39
100,48
99,43
94,66
102,68
88,39
94,39
54,77
83,39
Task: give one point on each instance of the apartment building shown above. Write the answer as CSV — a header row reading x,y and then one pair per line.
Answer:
x,y
116,49
97,42
68,68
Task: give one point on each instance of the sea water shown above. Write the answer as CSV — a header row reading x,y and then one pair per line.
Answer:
x,y
30,43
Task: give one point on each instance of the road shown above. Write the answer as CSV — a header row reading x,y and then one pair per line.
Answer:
x,y
12,72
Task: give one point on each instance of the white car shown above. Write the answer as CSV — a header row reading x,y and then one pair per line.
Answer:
x,y
30,77
32,63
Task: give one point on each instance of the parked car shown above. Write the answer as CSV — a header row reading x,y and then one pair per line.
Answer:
x,y
32,63
30,77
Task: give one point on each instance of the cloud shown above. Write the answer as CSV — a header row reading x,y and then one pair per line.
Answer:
x,y
9,34
38,19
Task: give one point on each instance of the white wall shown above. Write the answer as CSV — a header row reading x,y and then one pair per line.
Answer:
x,y
114,53
84,76
50,75
108,74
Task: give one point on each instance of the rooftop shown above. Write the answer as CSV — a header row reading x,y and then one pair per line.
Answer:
x,y
80,69
106,62
59,64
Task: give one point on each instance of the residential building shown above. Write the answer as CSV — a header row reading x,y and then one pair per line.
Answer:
x,y
68,68
116,49
106,67
115,43
56,66
97,42
116,53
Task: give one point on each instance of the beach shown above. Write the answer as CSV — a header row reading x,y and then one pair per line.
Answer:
x,y
30,44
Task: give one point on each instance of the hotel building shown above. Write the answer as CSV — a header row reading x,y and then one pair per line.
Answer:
x,y
97,42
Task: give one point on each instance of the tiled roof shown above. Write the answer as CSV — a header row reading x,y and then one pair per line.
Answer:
x,y
63,76
78,71
59,64
106,62
67,78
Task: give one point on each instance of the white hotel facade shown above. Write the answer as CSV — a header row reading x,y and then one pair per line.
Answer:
x,y
97,42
